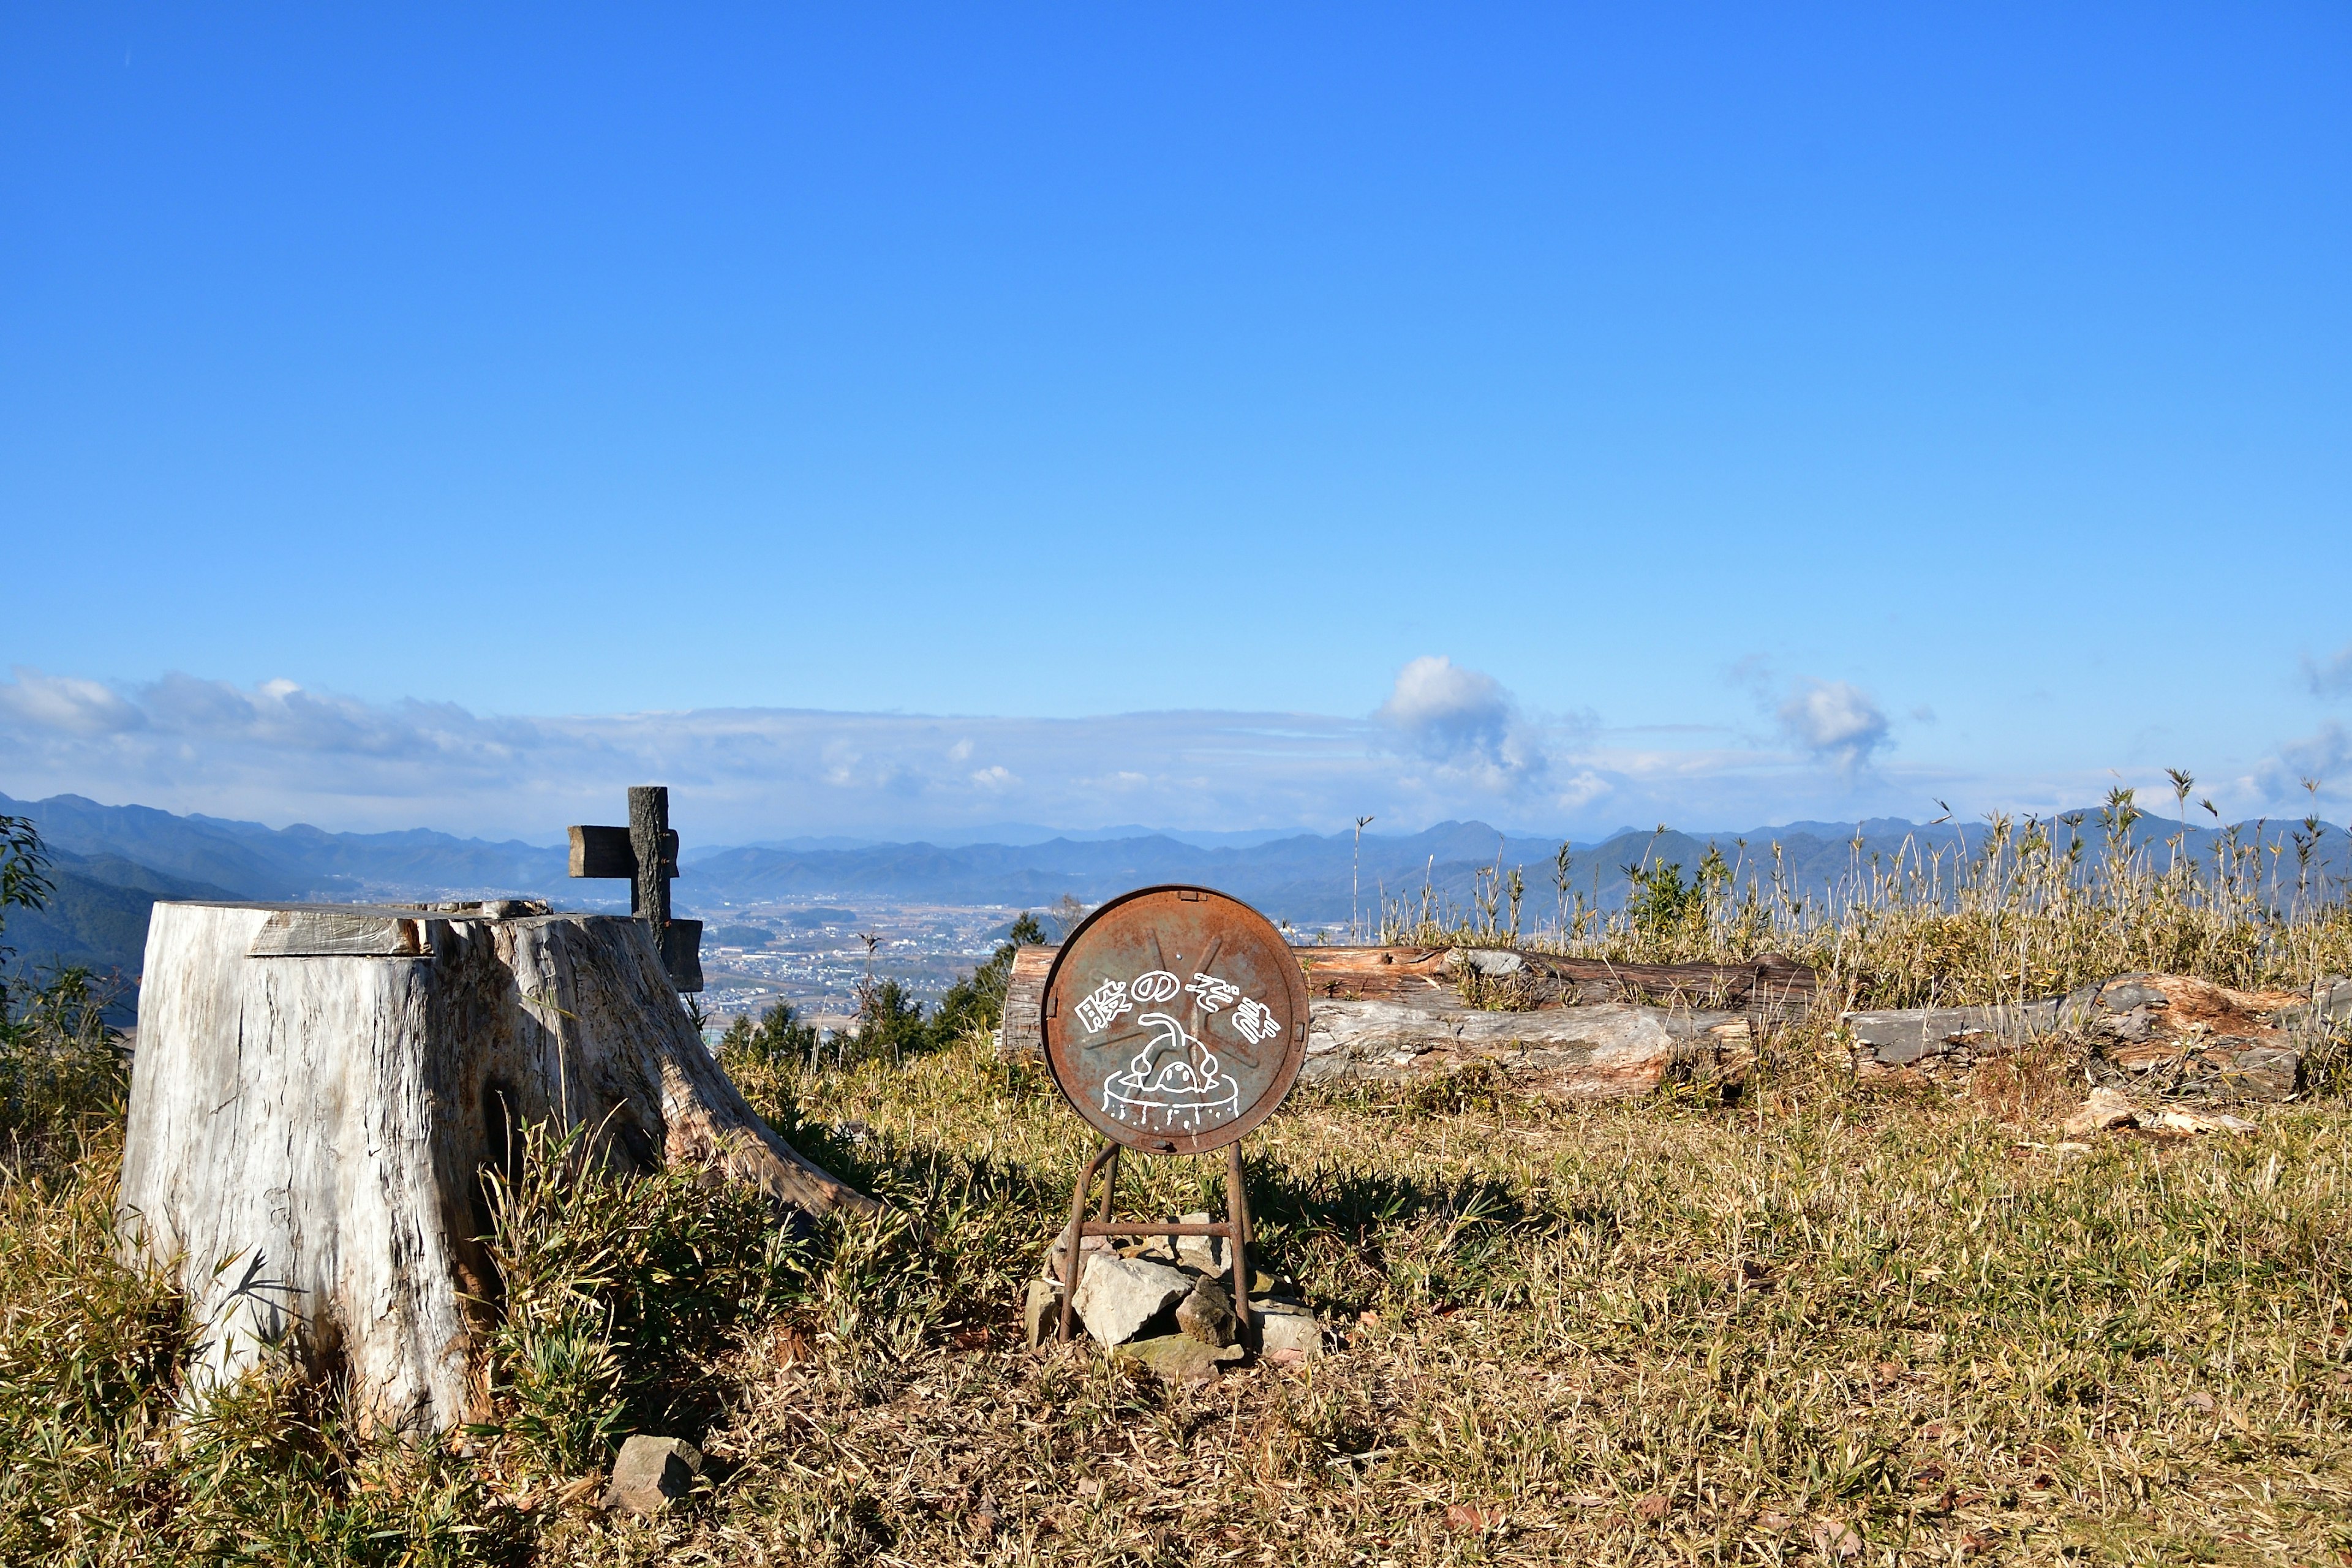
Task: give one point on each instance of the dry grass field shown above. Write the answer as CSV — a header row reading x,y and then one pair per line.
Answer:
x,y
1828,1318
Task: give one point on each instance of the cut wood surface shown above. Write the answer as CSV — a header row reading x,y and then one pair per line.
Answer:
x,y
1575,1027
318,1088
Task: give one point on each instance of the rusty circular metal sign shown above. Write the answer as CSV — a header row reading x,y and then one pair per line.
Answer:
x,y
1175,1019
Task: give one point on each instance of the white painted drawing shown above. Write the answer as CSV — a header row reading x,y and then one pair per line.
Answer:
x,y
1156,985
1174,1083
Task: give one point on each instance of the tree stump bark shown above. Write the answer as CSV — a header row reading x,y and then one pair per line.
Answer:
x,y
317,1089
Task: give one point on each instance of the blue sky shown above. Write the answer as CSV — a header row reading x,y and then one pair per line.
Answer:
x,y
1566,417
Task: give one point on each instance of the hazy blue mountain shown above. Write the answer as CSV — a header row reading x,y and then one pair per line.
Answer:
x,y
96,919
1299,877
1303,878
299,862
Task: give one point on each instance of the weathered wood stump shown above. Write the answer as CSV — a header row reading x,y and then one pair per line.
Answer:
x,y
318,1087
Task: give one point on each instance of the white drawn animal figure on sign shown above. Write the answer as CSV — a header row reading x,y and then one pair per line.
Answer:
x,y
1174,1081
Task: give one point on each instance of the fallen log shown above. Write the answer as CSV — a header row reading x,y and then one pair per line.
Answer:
x,y
2179,1037
1575,1028
1774,987
318,1087
1604,1051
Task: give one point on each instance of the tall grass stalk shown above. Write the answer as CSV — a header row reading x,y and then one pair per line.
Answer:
x,y
2024,912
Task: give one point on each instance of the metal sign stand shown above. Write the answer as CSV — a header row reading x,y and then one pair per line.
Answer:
x,y
1174,1021
1235,1229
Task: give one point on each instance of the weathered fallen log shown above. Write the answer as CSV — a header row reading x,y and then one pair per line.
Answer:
x,y
2182,1036
1607,1050
1774,987
318,1087
1556,1024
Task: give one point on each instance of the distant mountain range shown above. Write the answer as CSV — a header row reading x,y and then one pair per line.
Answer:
x,y
114,861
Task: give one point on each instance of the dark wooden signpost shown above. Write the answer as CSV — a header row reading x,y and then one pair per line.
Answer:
x,y
646,852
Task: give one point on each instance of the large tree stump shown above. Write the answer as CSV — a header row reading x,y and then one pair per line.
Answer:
x,y
318,1087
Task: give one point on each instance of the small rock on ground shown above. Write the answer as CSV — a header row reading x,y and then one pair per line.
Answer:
x,y
1207,1314
2104,1110
1041,1313
652,1473
1289,1333
1205,1252
1177,1358
1117,1296
2205,1122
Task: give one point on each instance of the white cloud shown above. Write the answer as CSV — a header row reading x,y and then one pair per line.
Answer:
x,y
1464,721
1836,721
1449,743
63,704
2325,759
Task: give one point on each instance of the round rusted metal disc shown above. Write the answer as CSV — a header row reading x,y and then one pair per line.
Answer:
x,y
1175,1019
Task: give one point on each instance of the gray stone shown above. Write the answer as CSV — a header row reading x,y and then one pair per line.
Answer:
x,y
1041,1313
1117,1296
652,1473
1207,1314
2104,1110
2269,1072
2331,1001
1158,1249
1493,962
1288,1332
2129,995
1177,1358
1092,1248
1206,1254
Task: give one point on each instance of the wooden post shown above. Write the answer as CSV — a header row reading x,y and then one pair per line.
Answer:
x,y
648,836
646,852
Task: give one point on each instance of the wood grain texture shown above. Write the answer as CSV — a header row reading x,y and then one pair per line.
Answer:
x,y
1775,984
649,835
605,852
306,1131
1602,1052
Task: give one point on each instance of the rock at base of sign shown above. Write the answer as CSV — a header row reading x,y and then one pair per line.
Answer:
x,y
1094,1247
652,1473
1117,1296
1204,1254
1041,1313
1207,1314
1177,1358
1289,1333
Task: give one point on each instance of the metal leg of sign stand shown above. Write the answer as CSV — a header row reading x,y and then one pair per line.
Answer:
x,y
1235,1228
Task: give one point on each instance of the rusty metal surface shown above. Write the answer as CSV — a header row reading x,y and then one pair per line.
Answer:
x,y
1175,1019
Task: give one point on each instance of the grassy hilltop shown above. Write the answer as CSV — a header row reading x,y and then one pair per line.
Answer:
x,y
1830,1318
